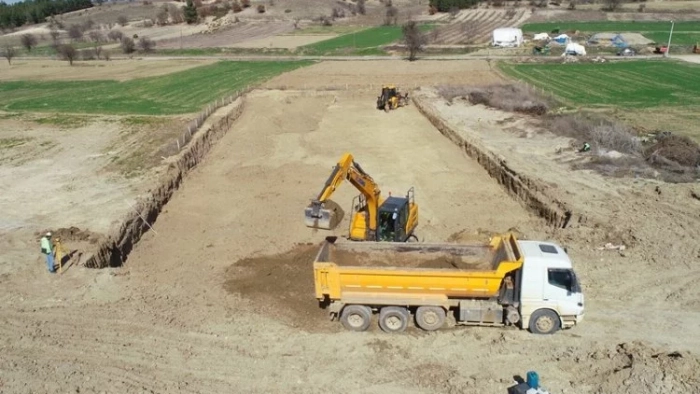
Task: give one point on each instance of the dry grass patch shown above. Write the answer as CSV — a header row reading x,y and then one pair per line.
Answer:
x,y
512,97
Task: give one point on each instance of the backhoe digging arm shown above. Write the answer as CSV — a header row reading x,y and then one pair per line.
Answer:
x,y
345,169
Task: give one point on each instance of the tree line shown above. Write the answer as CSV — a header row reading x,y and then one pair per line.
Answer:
x,y
448,5
36,11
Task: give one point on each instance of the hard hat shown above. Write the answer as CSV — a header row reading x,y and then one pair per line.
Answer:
x,y
48,233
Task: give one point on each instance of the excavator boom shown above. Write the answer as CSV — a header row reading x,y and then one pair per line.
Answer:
x,y
318,215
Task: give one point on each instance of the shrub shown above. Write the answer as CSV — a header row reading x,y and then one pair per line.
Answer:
x,y
245,3
261,9
146,44
115,35
88,54
678,149
128,45
122,20
514,97
236,7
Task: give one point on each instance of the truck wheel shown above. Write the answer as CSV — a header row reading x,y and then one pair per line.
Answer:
x,y
430,318
393,319
544,321
356,317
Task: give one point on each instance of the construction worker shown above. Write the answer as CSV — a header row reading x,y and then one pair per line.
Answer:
x,y
586,147
47,250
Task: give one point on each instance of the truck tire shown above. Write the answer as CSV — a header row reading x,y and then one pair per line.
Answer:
x,y
544,321
393,319
356,317
430,318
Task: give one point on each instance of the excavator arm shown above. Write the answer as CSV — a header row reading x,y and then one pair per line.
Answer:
x,y
346,169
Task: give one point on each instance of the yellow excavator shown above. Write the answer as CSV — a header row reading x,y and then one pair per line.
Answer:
x,y
391,98
373,218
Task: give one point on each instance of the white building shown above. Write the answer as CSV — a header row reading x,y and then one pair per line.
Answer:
x,y
507,37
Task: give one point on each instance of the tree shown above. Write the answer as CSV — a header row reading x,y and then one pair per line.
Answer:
x,y
146,44
612,5
128,45
413,38
176,15
122,20
75,32
361,7
392,15
8,53
28,41
115,35
96,36
68,52
190,12
54,33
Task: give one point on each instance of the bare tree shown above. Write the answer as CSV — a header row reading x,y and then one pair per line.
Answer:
x,y
162,16
413,38
75,32
612,5
115,35
98,51
392,15
146,44
8,53
128,45
122,20
54,34
176,14
361,7
96,36
68,52
28,41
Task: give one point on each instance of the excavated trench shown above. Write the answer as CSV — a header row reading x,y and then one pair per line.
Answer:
x,y
529,192
113,251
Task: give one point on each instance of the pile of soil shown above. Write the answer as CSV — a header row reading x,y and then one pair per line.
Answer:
x,y
282,287
411,260
73,234
636,368
676,148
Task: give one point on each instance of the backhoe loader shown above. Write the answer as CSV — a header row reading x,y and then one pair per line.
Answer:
x,y
373,218
391,98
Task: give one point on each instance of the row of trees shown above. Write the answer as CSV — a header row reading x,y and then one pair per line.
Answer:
x,y
447,5
36,11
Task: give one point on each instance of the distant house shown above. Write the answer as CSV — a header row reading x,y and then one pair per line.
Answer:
x,y
507,37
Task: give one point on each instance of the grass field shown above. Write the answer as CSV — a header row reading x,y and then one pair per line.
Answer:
x,y
365,42
684,33
182,92
633,85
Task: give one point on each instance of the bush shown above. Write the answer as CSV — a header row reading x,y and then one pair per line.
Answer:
x,y
513,98
115,35
146,44
678,149
128,45
245,3
261,9
122,20
88,54
236,7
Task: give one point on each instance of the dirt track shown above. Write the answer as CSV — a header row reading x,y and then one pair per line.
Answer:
x,y
200,307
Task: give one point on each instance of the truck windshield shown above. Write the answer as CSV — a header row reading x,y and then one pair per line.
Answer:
x,y
563,278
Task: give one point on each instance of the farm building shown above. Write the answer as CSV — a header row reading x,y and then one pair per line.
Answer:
x,y
507,37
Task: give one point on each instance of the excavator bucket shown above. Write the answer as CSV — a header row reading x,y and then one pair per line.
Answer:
x,y
324,216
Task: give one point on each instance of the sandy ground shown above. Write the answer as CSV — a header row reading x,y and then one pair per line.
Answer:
x,y
371,75
120,70
201,307
688,58
288,42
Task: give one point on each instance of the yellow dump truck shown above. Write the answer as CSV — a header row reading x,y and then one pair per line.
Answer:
x,y
529,284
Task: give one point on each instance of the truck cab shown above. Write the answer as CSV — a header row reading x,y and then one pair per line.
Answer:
x,y
549,288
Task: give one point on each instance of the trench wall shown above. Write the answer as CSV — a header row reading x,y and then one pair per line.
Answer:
x,y
113,251
530,192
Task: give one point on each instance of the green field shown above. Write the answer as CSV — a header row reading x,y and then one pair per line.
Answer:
x,y
633,85
177,93
684,33
364,42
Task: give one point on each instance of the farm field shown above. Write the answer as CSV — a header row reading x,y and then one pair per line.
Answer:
x,y
362,42
475,26
175,93
684,32
639,84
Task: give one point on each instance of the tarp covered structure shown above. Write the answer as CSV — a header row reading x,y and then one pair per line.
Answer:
x,y
507,37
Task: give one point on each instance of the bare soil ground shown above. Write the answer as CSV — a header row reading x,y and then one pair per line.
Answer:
x,y
120,70
593,13
237,33
370,75
283,41
220,295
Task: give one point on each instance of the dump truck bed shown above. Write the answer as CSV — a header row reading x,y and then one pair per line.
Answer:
x,y
407,271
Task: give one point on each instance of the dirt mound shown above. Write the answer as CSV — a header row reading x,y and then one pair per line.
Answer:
x,y
281,286
635,368
73,234
410,260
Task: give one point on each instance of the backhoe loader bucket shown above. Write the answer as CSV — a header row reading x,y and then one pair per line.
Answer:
x,y
324,216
